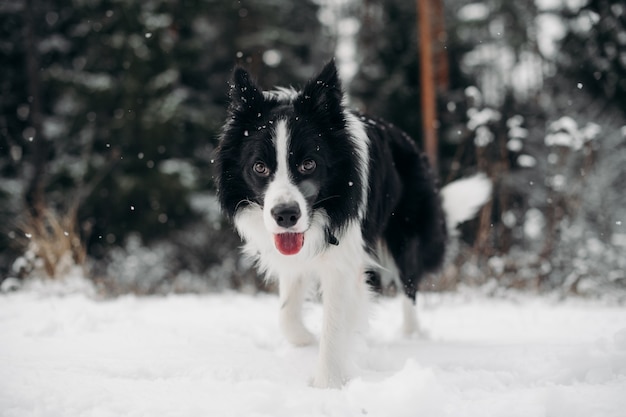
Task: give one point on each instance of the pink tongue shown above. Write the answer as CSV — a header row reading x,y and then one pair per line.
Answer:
x,y
289,243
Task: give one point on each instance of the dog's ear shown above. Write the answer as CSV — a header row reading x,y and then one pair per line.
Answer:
x,y
323,94
244,94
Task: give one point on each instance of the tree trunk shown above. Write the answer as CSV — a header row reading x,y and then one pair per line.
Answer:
x,y
440,52
427,82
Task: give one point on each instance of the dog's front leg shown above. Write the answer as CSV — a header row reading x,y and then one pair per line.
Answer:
x,y
331,369
345,298
292,292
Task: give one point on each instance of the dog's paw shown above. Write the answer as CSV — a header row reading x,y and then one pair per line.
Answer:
x,y
325,380
415,333
298,335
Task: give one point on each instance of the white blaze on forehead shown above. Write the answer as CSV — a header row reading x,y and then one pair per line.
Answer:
x,y
281,143
281,189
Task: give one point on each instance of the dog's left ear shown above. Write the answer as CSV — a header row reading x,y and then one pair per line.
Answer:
x,y
323,94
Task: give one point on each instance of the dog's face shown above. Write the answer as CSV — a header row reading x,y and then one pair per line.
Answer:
x,y
286,178
287,154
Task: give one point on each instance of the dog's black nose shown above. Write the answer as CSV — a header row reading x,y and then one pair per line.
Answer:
x,y
286,215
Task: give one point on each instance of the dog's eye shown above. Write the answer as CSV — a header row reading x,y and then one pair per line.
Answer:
x,y
261,169
307,166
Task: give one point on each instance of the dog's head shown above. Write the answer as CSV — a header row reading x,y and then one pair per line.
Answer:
x,y
290,157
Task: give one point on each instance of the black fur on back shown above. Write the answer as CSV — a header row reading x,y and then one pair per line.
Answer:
x,y
404,204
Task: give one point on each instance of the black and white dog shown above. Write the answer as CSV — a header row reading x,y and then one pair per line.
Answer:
x,y
320,193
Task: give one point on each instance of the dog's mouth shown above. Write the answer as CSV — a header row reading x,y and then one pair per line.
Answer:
x,y
289,243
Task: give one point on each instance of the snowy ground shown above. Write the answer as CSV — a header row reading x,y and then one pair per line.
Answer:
x,y
222,355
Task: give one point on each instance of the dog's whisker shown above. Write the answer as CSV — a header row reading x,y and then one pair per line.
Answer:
x,y
325,199
245,200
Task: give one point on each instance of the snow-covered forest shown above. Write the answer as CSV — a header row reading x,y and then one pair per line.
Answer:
x,y
111,112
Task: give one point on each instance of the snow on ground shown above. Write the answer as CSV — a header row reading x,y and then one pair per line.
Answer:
x,y
222,355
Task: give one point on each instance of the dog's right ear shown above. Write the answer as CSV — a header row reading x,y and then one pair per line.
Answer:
x,y
244,94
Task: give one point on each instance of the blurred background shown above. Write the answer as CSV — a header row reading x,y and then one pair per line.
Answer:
x,y
110,112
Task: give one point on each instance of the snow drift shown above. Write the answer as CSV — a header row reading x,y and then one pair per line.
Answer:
x,y
222,355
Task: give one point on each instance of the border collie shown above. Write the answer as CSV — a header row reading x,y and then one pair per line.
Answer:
x,y
323,194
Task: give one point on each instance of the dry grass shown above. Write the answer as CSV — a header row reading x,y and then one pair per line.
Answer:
x,y
54,241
